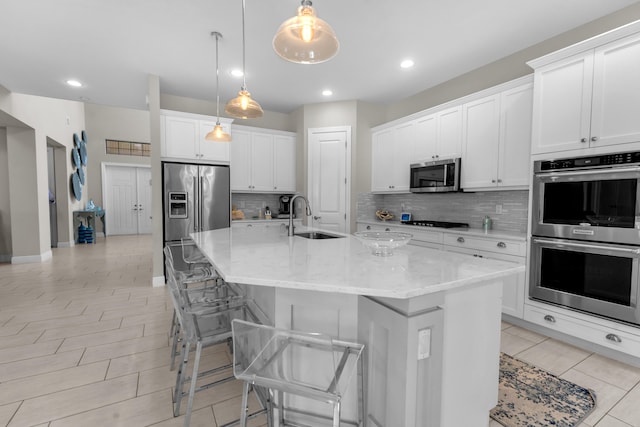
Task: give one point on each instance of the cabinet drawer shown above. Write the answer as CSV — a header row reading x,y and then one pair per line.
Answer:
x,y
593,332
508,247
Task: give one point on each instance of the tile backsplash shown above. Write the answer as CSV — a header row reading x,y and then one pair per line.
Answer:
x,y
253,203
457,207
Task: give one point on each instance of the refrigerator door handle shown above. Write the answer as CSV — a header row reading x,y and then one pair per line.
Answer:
x,y
200,225
196,204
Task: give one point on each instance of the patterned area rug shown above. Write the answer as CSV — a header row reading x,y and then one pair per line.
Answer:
x,y
531,397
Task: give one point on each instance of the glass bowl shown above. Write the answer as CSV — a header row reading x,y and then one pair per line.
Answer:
x,y
382,243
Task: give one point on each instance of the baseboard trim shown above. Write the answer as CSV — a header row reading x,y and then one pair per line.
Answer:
x,y
5,258
29,259
66,244
158,281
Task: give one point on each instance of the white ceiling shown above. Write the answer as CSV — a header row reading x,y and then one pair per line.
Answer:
x,y
113,45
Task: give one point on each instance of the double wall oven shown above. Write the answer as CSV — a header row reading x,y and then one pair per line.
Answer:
x,y
585,244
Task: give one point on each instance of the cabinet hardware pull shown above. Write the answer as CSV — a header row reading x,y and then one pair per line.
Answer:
x,y
594,138
493,181
499,180
549,318
368,227
583,139
613,337
316,217
387,229
460,239
501,245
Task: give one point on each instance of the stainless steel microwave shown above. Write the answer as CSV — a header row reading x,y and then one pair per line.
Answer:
x,y
436,176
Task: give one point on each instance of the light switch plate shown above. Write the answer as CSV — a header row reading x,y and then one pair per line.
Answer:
x,y
424,343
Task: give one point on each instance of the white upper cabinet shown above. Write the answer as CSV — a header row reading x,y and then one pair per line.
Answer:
x,y
392,151
284,165
262,161
497,140
439,135
588,100
481,134
490,130
182,137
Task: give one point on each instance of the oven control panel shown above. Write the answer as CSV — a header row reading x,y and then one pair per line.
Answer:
x,y
587,162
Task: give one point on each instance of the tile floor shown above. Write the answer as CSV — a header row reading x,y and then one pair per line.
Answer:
x,y
83,342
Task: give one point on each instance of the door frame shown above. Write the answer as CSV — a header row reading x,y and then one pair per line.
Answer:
x,y
104,183
347,130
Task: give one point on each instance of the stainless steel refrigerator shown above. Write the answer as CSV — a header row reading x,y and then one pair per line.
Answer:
x,y
196,198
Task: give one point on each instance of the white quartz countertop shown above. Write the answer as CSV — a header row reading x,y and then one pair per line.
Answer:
x,y
268,257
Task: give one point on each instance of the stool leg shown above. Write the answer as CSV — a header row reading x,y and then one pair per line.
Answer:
x,y
177,394
192,386
336,414
245,405
362,384
281,408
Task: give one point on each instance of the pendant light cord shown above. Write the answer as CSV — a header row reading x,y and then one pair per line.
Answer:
x,y
217,81
244,77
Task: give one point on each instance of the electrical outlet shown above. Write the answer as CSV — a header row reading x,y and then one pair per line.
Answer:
x,y
498,209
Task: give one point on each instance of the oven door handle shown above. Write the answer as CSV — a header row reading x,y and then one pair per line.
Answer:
x,y
589,246
584,172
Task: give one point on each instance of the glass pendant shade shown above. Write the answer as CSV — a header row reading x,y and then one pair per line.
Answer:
x,y
305,38
243,107
218,134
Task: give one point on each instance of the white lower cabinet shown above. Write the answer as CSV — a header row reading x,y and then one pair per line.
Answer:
x,y
424,238
264,223
493,248
612,335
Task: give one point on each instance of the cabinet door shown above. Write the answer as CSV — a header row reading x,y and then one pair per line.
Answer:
x,y
381,160
514,152
562,105
240,156
212,150
426,134
481,132
284,148
180,137
262,162
449,133
402,155
616,93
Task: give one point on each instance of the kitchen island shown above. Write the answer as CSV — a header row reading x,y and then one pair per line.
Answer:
x,y
429,319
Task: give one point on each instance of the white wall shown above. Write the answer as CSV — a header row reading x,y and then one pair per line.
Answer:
x,y
5,215
122,124
43,118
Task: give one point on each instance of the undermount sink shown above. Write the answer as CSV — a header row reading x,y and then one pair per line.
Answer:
x,y
317,235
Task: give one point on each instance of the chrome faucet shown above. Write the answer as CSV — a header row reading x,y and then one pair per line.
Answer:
x,y
291,211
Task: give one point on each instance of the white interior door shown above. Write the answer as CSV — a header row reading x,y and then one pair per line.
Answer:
x,y
127,199
328,177
144,200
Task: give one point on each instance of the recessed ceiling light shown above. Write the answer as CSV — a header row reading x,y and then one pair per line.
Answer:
x,y
236,73
407,63
327,92
74,83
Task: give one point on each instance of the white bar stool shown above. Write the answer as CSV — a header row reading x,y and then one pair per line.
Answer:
x,y
312,366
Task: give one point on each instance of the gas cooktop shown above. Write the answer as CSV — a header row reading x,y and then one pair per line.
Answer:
x,y
442,224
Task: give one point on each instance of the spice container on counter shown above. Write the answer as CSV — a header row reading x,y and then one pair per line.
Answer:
x,y
487,223
267,213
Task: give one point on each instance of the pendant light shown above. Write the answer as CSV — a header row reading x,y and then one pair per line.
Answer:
x,y
242,106
305,38
217,134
